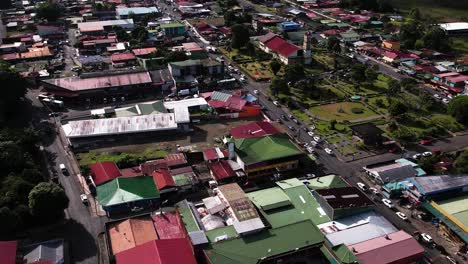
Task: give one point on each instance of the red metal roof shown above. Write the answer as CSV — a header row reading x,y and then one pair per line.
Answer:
x,y
221,170
233,103
383,249
169,225
148,167
256,129
122,57
215,153
281,46
131,172
175,159
165,251
163,178
8,252
457,79
144,51
104,171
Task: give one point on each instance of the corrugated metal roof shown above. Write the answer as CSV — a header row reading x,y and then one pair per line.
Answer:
x,y
8,252
433,184
104,171
125,190
120,125
127,234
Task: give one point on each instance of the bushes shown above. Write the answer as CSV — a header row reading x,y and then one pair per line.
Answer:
x,y
123,160
356,110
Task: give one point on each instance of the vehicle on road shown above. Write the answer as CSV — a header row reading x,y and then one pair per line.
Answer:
x,y
295,120
417,156
76,68
63,168
436,96
276,103
312,127
425,141
84,198
291,128
374,191
445,101
362,186
255,91
402,216
310,176
388,203
427,154
316,138
310,150
328,151
242,79
284,117
310,133
426,238
313,143
54,114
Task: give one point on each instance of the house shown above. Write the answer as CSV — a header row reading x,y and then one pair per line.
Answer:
x,y
102,172
164,181
267,155
99,85
102,27
381,250
349,36
369,133
225,171
393,45
455,28
8,252
90,63
52,251
123,60
143,52
162,79
173,29
452,81
286,52
420,189
169,225
184,178
123,195
228,105
342,202
215,154
47,30
184,72
135,12
254,129
387,172
288,26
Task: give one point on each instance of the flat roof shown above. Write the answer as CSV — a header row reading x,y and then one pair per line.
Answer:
x,y
123,11
457,207
454,26
80,83
345,197
434,184
269,199
105,23
120,125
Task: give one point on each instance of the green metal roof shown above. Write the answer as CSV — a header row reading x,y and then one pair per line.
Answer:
x,y
171,25
455,228
229,231
289,183
187,217
269,199
345,255
325,182
254,150
270,242
181,179
124,190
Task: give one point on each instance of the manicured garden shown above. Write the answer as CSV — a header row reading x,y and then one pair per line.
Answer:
x,y
343,111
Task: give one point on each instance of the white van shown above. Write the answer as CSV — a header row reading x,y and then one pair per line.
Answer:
x,y
63,169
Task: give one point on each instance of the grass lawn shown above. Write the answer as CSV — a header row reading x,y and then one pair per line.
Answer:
x,y
342,111
447,122
301,115
235,52
350,88
88,158
435,8
323,58
257,70
334,139
460,45
323,128
384,108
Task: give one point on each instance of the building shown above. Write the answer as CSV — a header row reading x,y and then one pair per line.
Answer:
x,y
229,105
326,182
369,133
420,189
393,45
267,155
8,250
254,129
390,172
288,26
52,251
135,12
349,36
224,171
184,72
123,60
286,52
102,172
123,195
455,28
100,85
173,29
101,27
341,202
381,250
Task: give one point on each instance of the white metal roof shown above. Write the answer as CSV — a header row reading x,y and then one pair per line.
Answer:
x,y
454,26
181,108
106,23
123,11
120,125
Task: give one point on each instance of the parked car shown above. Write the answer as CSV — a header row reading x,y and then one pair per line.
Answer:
x,y
295,120
402,216
328,151
84,198
425,141
426,238
417,156
63,169
312,127
436,96
54,114
388,203
445,101
76,68
291,128
374,191
310,150
276,103
427,154
310,176
317,138
313,143
284,117
362,186
255,91
310,133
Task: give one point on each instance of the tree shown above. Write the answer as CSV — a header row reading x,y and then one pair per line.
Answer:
x,y
333,124
409,84
279,85
397,108
275,66
294,72
230,17
333,44
458,109
394,88
436,38
121,34
8,219
410,32
461,163
51,11
14,88
240,36
371,74
250,49
172,56
415,14
358,72
140,35
404,135
47,201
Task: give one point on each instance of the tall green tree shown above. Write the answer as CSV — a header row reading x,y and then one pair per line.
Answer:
x,y
240,36
358,72
14,88
47,200
458,108
275,66
397,108
294,72
333,44
50,10
394,88
461,163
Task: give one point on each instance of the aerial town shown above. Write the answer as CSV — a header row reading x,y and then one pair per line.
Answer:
x,y
233,132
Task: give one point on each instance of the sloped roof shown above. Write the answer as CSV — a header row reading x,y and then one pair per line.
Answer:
x,y
281,46
169,225
125,190
130,233
166,251
382,249
255,129
163,178
434,184
254,150
221,170
104,171
49,252
8,252
215,153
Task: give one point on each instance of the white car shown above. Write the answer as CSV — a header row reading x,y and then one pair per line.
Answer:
x,y
388,203
374,191
255,91
310,133
362,186
313,143
84,198
310,150
445,101
427,154
328,151
417,156
276,103
436,96
317,138
427,238
312,127
402,216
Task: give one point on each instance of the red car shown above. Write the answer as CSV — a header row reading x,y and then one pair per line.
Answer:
x,y
426,141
